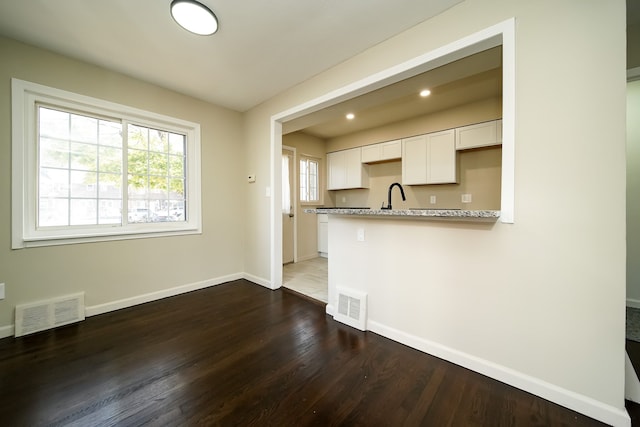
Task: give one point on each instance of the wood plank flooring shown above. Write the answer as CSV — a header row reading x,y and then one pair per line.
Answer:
x,y
241,355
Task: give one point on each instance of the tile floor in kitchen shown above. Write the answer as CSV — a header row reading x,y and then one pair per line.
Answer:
x,y
307,277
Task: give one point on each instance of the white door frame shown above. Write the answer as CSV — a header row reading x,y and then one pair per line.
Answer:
x,y
294,199
502,33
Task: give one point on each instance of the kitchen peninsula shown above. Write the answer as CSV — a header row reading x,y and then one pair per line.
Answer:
x,y
442,214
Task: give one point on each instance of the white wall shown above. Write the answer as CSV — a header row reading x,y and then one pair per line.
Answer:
x,y
633,194
109,272
542,298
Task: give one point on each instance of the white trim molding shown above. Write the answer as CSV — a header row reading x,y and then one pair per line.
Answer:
x,y
580,403
157,295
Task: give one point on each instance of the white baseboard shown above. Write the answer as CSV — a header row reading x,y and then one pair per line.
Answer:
x,y
257,280
330,310
306,257
153,296
7,331
633,303
585,405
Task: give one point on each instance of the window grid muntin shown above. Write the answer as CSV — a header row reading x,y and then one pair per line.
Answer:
x,y
309,180
69,140
175,206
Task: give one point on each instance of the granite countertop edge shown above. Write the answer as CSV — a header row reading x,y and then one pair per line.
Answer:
x,y
417,213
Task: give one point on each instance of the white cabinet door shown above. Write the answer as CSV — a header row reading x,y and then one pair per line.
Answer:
x,y
479,135
383,151
414,160
345,170
441,158
336,170
371,153
429,159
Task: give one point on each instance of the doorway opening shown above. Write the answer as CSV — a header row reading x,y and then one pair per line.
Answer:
x,y
502,34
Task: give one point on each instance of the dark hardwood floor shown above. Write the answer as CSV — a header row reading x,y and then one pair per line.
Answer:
x,y
239,354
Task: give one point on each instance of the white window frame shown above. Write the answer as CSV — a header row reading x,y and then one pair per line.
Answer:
x,y
319,201
25,233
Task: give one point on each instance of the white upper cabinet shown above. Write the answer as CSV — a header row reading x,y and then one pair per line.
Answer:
x,y
345,170
383,151
479,135
429,159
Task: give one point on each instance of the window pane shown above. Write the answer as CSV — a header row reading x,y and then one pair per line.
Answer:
x,y
176,188
84,184
138,186
110,159
110,186
52,123
54,153
138,162
54,182
84,156
176,166
109,211
83,128
158,164
138,137
83,211
71,154
53,212
158,141
176,143
110,133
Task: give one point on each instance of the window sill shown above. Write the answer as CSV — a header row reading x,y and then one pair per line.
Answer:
x,y
36,242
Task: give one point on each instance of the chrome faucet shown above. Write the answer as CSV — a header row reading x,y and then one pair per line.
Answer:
x,y
391,188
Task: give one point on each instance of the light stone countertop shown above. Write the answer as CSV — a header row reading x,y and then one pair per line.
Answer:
x,y
446,214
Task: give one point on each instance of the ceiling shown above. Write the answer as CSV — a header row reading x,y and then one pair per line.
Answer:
x,y
261,48
473,78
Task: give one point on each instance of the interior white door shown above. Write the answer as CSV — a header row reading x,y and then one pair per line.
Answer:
x,y
288,207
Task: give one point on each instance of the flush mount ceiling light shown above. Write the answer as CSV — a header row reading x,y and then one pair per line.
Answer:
x,y
350,116
194,17
425,92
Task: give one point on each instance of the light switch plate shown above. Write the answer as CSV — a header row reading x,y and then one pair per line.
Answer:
x,y
1,290
432,200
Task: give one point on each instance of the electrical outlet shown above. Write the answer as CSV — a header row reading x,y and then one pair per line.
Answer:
x,y
360,235
344,199
432,200
1,290
466,198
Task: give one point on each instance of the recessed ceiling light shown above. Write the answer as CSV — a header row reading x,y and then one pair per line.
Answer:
x,y
425,92
351,116
194,17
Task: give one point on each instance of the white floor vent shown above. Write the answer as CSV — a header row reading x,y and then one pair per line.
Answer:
x,y
49,314
352,308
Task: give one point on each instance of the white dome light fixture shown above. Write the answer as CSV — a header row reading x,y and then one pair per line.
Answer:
x,y
194,17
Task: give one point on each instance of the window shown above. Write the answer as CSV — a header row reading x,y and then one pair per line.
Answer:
x,y
86,170
310,180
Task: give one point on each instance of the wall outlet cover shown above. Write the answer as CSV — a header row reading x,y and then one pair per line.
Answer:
x,y
466,198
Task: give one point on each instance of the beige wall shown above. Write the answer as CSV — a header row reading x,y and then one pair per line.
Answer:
x,y
112,271
633,192
542,298
479,170
307,226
